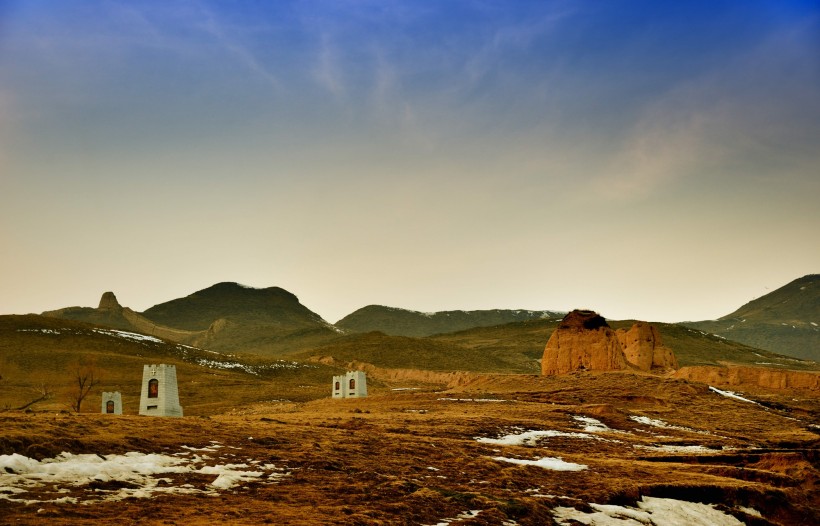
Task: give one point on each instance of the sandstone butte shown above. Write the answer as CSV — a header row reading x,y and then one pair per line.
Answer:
x,y
584,341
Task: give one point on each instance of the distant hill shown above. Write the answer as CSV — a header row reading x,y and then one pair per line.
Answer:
x,y
39,350
225,317
785,321
524,343
400,322
404,352
517,348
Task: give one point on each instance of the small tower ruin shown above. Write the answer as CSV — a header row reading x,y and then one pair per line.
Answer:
x,y
350,385
160,396
111,403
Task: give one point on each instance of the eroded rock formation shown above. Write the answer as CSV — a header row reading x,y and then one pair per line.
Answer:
x,y
583,340
746,377
643,348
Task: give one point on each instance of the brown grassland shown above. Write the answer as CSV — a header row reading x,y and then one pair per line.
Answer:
x,y
411,456
407,454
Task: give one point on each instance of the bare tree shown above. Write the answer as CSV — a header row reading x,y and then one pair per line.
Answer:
x,y
84,376
42,392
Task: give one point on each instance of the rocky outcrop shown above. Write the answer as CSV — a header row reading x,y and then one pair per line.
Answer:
x,y
583,340
108,301
643,348
746,377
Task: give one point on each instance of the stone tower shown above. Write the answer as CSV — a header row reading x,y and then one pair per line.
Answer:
x,y
350,385
160,396
112,403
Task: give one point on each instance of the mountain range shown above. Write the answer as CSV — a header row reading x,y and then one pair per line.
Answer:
x,y
402,322
229,318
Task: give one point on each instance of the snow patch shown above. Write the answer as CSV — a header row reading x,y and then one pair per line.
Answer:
x,y
471,400
668,448
551,463
730,394
592,425
127,335
470,514
664,425
44,331
136,475
650,511
529,437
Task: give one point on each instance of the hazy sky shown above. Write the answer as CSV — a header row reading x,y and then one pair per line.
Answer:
x,y
646,159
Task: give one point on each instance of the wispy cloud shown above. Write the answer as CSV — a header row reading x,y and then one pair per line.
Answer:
x,y
753,118
212,25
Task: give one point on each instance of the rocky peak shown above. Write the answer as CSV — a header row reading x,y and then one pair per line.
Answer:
x,y
109,302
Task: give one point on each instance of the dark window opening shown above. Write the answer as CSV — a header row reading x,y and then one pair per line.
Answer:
x,y
109,407
153,388
352,383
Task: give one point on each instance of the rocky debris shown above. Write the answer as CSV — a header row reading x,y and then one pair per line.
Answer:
x,y
642,347
109,302
583,340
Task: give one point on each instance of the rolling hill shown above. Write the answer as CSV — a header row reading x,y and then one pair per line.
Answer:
x,y
402,322
40,351
785,321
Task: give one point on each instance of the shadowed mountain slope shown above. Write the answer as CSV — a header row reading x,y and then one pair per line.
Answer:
x,y
402,322
232,301
226,317
785,321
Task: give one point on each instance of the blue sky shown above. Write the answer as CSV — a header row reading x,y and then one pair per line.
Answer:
x,y
653,160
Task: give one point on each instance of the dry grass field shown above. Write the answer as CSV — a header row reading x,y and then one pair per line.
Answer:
x,y
409,454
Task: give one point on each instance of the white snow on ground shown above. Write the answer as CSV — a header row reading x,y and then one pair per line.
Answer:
x,y
669,448
128,335
591,425
455,520
529,437
551,463
650,511
471,400
730,394
664,425
131,475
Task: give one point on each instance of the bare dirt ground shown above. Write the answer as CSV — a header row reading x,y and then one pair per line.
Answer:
x,y
418,456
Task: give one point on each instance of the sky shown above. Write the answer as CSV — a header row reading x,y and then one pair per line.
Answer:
x,y
648,160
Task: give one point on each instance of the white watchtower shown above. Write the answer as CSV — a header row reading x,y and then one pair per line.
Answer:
x,y
350,385
112,403
160,396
